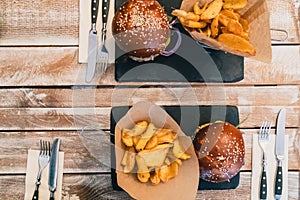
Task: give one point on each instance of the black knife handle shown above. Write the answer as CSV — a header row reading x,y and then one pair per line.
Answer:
x,y
263,185
94,10
51,195
105,8
35,195
279,179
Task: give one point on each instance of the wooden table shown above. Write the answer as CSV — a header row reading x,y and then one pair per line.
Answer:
x,y
38,72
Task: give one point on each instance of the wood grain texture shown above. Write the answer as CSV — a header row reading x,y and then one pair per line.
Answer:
x,y
20,119
98,187
85,97
89,152
57,22
58,66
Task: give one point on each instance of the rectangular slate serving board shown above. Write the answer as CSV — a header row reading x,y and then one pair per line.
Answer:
x,y
226,67
189,118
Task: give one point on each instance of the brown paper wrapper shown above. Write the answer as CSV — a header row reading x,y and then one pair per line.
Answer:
x,y
257,14
184,185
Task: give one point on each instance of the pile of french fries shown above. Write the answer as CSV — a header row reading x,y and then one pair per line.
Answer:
x,y
154,153
219,20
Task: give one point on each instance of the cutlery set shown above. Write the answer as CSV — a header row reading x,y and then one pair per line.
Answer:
x,y
97,54
48,156
263,141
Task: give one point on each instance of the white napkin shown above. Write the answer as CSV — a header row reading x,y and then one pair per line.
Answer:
x,y
31,174
271,168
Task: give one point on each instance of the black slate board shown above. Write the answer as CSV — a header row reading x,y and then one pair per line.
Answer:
x,y
190,63
189,118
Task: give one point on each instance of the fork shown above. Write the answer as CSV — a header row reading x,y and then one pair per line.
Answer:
x,y
43,160
102,57
263,140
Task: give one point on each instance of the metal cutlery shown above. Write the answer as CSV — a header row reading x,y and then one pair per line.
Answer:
x,y
279,150
103,56
43,161
93,42
53,168
263,141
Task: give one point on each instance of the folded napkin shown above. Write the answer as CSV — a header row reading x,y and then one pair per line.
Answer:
x,y
31,174
271,168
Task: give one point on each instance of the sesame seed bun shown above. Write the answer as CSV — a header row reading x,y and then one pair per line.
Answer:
x,y
141,29
220,149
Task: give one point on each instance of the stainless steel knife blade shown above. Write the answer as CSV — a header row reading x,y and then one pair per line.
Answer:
x,y
53,168
280,132
93,42
279,150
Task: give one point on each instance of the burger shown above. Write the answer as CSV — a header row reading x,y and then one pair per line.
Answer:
x,y
220,150
141,29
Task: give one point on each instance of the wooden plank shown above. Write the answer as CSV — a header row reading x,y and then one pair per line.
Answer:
x,y
58,66
161,95
280,19
15,119
57,22
39,23
89,152
91,186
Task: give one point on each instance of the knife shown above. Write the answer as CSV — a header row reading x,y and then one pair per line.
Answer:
x,y
93,42
53,168
279,150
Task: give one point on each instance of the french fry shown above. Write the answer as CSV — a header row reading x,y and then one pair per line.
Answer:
x,y
231,14
167,138
129,160
179,152
244,24
127,139
212,10
215,27
145,137
178,161
224,20
163,131
192,16
235,4
143,171
236,43
135,140
152,143
186,15
198,10
179,13
194,24
124,159
207,31
138,129
155,157
168,172
234,27
154,178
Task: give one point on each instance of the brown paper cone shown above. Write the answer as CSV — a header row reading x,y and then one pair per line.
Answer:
x,y
184,185
257,14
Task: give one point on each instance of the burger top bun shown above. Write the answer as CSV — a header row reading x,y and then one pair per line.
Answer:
x,y
141,29
220,149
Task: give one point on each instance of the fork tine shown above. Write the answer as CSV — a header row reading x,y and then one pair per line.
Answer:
x,y
49,149
41,147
